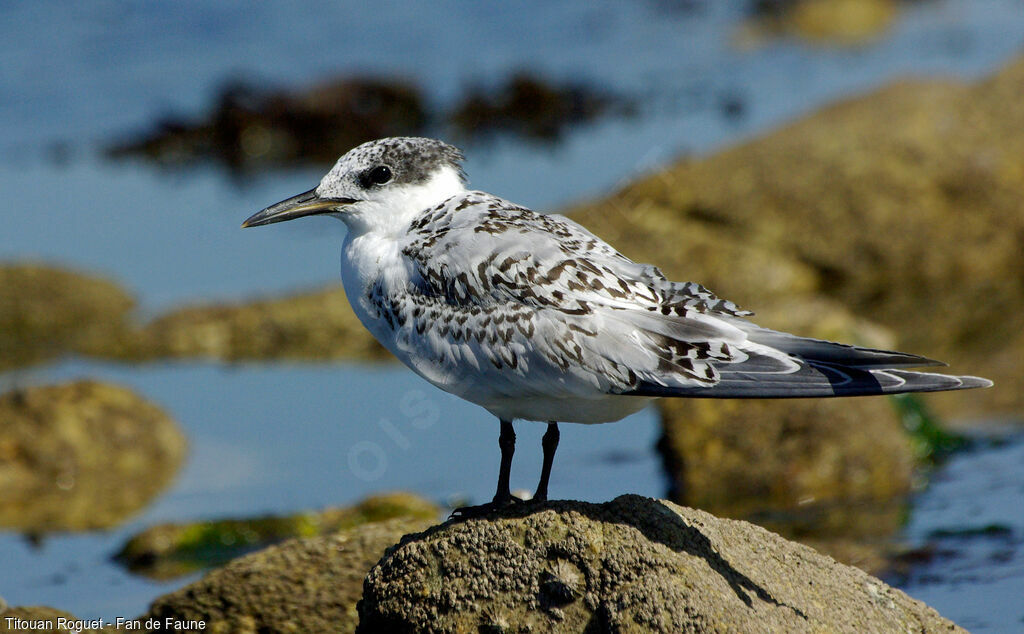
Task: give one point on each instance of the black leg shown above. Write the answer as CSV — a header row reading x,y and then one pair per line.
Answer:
x,y
503,496
550,444
507,443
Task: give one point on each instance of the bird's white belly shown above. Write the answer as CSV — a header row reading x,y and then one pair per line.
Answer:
x,y
606,409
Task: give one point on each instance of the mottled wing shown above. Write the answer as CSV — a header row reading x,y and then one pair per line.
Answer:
x,y
580,304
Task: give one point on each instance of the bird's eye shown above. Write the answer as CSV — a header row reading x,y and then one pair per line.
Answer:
x,y
378,175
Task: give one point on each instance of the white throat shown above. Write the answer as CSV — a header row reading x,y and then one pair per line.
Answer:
x,y
389,211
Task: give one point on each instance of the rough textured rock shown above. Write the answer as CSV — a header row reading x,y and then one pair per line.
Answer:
x,y
166,551
301,585
47,311
81,456
633,565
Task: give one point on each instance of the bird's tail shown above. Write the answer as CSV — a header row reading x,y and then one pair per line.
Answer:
x,y
780,365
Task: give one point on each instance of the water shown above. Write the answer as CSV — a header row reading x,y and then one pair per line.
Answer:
x,y
972,519
283,437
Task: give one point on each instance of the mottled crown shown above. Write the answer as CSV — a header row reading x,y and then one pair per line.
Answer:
x,y
412,160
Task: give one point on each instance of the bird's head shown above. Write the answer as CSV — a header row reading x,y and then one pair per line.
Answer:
x,y
378,185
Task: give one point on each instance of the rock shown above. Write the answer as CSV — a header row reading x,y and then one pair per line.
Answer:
x,y
811,469
251,127
318,325
81,456
632,564
167,551
836,22
46,312
530,106
301,585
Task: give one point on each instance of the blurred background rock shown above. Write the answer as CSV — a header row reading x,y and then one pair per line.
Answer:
x,y
82,456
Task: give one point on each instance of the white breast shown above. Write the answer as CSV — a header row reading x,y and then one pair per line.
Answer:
x,y
368,260
365,260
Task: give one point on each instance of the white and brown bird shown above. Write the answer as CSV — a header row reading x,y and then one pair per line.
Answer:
x,y
533,317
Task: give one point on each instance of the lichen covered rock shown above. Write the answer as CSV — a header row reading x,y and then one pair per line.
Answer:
x,y
166,551
81,456
632,564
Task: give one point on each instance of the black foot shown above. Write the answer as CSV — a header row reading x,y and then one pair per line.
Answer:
x,y
479,510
